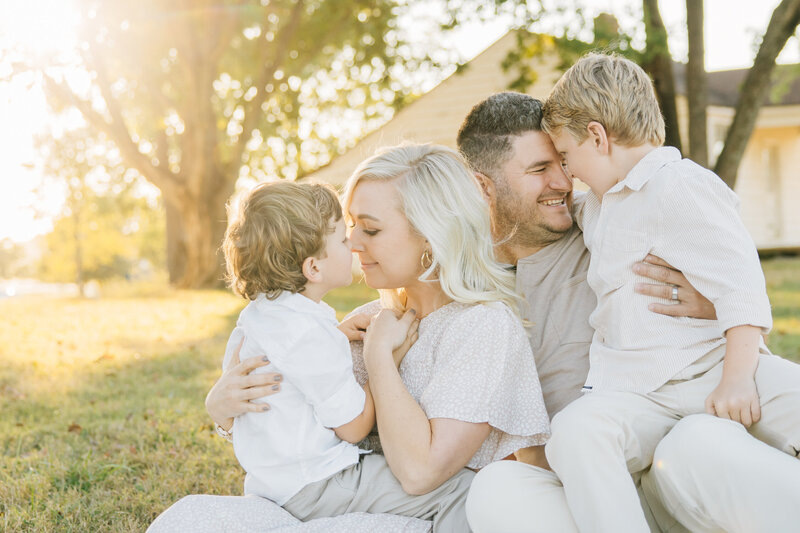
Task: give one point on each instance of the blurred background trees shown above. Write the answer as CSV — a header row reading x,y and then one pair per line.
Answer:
x,y
108,226
192,96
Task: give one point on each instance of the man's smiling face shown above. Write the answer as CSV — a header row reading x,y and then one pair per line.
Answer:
x,y
533,194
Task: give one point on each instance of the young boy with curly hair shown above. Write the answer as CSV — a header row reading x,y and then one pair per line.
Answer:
x,y
285,248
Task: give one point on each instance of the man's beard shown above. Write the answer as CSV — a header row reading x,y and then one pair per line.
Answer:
x,y
517,224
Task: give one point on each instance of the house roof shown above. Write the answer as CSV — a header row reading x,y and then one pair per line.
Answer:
x,y
436,115
724,85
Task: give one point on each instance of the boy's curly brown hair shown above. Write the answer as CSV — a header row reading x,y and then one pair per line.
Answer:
x,y
276,227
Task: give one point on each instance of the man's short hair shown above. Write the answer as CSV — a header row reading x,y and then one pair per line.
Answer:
x,y
276,227
611,90
485,136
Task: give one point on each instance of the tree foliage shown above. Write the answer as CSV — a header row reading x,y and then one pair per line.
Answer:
x,y
570,41
196,94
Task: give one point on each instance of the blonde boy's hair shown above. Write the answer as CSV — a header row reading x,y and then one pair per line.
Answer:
x,y
608,89
275,228
442,201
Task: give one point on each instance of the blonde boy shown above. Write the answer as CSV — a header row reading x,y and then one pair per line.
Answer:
x,y
647,370
285,248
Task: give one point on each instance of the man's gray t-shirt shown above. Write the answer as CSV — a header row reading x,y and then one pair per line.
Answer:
x,y
559,302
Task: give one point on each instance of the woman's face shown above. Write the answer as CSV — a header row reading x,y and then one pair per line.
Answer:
x,y
387,246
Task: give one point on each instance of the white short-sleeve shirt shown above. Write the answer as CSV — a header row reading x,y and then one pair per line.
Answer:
x,y
292,444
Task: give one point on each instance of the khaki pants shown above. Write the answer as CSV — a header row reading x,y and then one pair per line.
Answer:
x,y
370,486
602,436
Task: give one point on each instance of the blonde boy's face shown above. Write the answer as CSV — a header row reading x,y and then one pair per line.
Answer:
x,y
581,160
337,262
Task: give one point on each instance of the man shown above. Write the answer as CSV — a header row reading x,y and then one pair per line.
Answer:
x,y
710,475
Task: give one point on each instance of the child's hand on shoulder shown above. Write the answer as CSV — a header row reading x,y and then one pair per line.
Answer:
x,y
735,398
355,327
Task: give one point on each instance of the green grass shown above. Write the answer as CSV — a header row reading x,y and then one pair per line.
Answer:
x,y
103,424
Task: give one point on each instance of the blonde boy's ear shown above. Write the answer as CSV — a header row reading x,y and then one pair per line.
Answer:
x,y
598,136
311,270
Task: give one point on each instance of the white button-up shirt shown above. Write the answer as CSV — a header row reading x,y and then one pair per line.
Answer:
x,y
292,445
685,214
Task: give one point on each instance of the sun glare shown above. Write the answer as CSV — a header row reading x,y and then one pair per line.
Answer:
x,y
43,27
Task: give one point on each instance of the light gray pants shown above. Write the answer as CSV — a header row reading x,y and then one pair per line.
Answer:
x,y
602,436
370,486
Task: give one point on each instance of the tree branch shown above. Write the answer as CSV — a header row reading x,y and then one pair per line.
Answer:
x,y
781,26
162,179
252,109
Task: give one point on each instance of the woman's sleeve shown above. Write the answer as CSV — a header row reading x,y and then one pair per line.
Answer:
x,y
484,371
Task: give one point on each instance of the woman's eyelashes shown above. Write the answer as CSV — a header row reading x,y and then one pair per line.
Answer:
x,y
368,232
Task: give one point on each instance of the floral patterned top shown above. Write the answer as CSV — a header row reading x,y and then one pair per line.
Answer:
x,y
473,363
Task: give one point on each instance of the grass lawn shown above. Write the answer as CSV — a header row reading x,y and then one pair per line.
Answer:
x,y
103,421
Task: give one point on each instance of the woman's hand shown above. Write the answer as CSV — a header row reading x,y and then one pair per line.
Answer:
x,y
399,353
231,395
388,333
355,327
690,302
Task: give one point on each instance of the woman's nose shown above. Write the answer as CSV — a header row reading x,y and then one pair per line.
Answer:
x,y
355,245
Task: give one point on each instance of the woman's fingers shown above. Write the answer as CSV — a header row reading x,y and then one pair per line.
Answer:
x,y
260,380
254,393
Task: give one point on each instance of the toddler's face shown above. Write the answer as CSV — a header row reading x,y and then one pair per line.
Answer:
x,y
337,264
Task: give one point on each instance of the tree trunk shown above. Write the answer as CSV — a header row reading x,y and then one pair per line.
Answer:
x,y
658,63
781,26
696,85
79,281
198,227
176,244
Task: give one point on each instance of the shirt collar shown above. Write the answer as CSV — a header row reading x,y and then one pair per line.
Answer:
x,y
646,168
300,303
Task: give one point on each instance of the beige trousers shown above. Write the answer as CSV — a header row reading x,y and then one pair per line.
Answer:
x,y
370,486
598,439
514,497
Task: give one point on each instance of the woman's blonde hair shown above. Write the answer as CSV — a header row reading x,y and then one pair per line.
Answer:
x,y
275,228
442,201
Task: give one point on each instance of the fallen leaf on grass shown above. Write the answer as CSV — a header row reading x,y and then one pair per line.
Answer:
x,y
74,428
104,357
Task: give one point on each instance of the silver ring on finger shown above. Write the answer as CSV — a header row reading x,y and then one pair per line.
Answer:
x,y
675,293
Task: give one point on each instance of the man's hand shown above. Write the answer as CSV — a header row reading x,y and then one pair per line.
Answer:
x,y
355,327
690,303
231,395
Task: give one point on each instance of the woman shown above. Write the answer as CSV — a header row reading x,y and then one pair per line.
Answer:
x,y
467,392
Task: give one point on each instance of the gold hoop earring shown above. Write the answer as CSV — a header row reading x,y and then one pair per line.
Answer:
x,y
426,260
